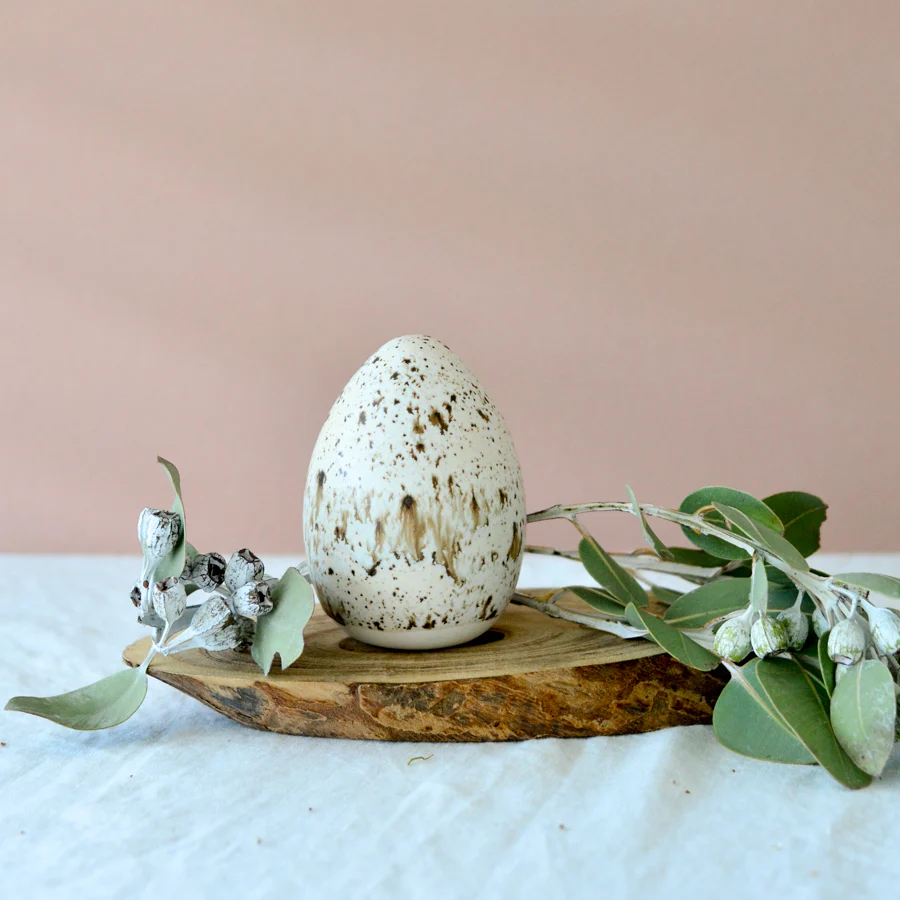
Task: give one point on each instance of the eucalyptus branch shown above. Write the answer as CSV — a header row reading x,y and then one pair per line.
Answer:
x,y
639,562
818,587
546,604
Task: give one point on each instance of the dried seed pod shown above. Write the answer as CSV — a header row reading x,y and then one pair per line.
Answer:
x,y
253,599
243,566
235,636
733,640
797,626
885,628
140,596
820,622
159,531
169,599
847,642
208,571
213,614
769,636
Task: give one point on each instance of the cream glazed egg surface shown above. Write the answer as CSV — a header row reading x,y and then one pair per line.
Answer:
x,y
414,512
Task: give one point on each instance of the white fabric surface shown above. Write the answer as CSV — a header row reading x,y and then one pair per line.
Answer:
x,y
180,802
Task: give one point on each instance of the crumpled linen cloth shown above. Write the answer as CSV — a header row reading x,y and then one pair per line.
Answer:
x,y
181,802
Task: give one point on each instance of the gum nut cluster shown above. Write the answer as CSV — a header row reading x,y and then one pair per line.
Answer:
x,y
240,591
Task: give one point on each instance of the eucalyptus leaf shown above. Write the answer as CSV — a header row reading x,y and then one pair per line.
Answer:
x,y
689,556
609,574
759,587
826,663
105,703
794,695
710,602
599,600
662,551
802,515
746,722
869,581
749,505
674,642
663,595
765,537
811,667
281,630
173,564
864,714
773,575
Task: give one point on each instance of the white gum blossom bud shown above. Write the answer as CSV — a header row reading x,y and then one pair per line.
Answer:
x,y
885,628
847,642
733,640
768,636
797,626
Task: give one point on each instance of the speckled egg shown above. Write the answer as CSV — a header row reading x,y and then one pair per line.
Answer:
x,y
414,514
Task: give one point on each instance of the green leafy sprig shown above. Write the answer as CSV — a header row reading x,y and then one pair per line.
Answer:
x,y
243,608
824,694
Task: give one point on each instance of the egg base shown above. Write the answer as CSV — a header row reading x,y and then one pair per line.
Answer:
x,y
421,638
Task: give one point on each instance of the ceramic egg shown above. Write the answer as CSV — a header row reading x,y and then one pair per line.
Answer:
x,y
414,512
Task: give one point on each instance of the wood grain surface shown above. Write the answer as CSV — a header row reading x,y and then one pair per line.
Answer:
x,y
530,676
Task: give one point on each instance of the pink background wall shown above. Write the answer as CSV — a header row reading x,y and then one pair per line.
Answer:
x,y
665,235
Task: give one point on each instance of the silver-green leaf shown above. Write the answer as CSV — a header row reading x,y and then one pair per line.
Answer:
x,y
864,714
674,642
794,695
661,550
105,703
709,602
870,581
748,504
746,722
764,536
802,516
599,600
759,586
281,631
609,574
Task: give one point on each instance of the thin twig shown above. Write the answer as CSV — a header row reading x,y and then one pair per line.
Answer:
x,y
592,621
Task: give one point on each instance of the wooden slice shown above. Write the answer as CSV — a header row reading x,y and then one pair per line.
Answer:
x,y
530,676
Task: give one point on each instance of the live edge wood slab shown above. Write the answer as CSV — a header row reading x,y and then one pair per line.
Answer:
x,y
530,676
